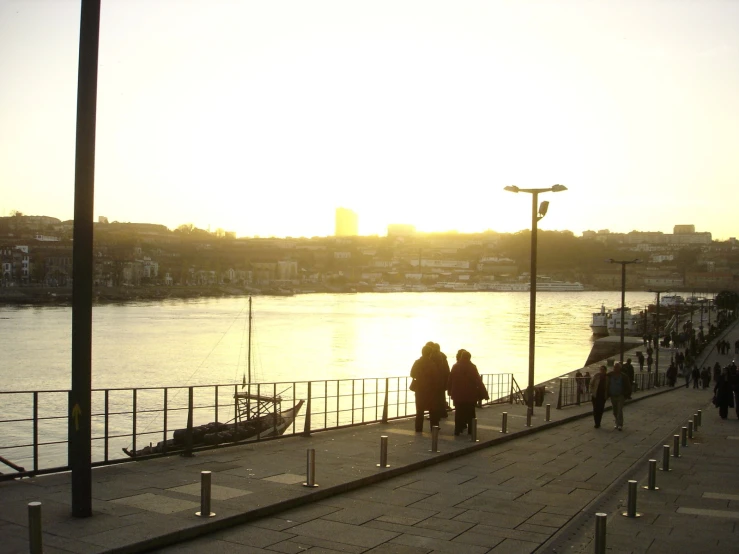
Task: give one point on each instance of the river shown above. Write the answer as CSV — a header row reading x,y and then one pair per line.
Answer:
x,y
302,337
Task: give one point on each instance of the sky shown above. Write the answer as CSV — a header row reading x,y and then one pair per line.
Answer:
x,y
263,117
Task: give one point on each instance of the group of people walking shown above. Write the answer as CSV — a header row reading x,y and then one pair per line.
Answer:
x,y
615,385
432,379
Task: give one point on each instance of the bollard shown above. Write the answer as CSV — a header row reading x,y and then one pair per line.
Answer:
x,y
473,435
700,418
652,479
528,418
549,412
696,423
600,533
631,506
665,457
684,437
434,439
675,446
311,470
504,423
34,528
690,429
383,452
205,495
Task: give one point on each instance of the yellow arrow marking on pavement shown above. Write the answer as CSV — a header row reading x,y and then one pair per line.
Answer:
x,y
76,412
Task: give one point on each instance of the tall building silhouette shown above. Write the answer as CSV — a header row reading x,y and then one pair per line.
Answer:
x,y
346,223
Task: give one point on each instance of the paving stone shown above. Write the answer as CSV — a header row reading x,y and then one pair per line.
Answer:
x,y
451,547
217,492
343,533
158,503
252,535
490,518
512,546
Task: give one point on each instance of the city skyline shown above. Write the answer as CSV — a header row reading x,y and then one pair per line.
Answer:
x,y
407,112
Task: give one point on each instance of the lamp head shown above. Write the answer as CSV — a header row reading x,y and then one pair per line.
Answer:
x,y
558,188
511,188
543,207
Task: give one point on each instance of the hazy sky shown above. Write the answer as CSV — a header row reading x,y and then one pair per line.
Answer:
x,y
263,117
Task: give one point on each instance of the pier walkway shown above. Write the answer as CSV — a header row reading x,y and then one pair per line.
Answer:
x,y
532,489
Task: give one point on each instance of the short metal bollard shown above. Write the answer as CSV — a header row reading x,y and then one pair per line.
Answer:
x,y
690,429
665,457
504,423
696,423
631,505
311,470
434,439
528,417
549,412
34,528
205,495
600,533
383,452
675,446
473,434
652,479
684,437
700,418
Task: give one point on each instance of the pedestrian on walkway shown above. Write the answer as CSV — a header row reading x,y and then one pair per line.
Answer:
x,y
598,394
443,367
619,390
427,383
696,375
723,395
466,388
649,362
628,370
640,359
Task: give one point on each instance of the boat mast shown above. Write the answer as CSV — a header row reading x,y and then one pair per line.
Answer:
x,y
248,352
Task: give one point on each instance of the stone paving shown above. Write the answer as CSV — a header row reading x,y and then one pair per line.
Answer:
x,y
533,489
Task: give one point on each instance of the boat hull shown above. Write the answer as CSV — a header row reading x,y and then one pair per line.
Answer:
x,y
215,433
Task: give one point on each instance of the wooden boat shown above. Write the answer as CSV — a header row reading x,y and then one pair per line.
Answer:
x,y
257,417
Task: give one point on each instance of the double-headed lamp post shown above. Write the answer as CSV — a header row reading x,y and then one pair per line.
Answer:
x,y
537,212
624,263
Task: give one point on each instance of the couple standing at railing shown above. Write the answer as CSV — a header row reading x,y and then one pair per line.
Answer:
x,y
432,378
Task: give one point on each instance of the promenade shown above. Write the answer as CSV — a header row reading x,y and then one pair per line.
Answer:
x,y
532,489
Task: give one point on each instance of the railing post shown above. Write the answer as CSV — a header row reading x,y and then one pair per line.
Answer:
x,y
107,415
35,431
133,422
188,435
216,419
559,398
164,432
577,394
307,426
385,406
510,397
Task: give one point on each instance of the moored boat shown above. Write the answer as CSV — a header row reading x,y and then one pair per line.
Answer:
x,y
599,323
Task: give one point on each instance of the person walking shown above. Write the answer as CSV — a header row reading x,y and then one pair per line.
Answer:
x,y
723,396
443,367
628,370
619,390
650,361
640,359
466,388
598,395
427,382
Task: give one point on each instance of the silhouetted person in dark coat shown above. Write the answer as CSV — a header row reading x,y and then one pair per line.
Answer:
x,y
466,388
598,395
429,382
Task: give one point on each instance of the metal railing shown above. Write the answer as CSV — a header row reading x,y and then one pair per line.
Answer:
x,y
574,391
34,430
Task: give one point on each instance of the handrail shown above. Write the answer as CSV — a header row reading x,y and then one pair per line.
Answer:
x,y
129,418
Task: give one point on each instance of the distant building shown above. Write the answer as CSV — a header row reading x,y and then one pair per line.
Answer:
x,y
347,223
400,230
683,229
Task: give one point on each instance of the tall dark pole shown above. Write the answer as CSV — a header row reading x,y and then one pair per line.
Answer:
x,y
532,299
536,215
656,366
623,318
623,298
80,398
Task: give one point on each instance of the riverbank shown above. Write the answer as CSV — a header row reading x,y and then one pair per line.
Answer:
x,y
39,296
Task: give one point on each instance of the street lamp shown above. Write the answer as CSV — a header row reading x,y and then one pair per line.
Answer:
x,y
656,362
624,263
536,214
